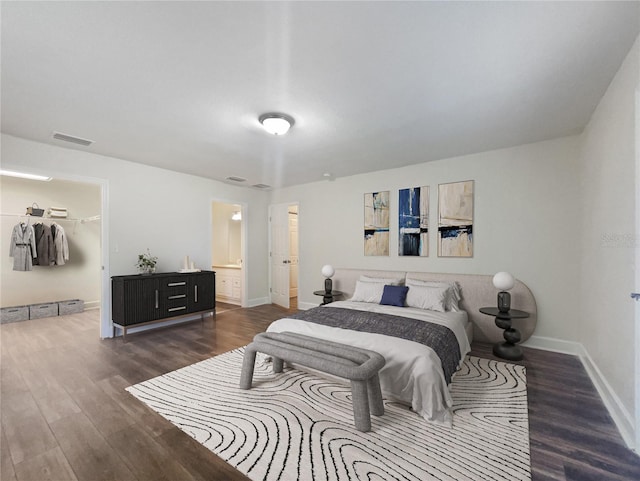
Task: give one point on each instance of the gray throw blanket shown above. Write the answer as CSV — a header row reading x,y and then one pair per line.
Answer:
x,y
439,338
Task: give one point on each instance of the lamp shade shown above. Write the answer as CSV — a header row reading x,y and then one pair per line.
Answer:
x,y
328,271
276,123
503,281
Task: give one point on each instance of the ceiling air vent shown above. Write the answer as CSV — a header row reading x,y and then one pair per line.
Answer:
x,y
262,186
236,179
72,139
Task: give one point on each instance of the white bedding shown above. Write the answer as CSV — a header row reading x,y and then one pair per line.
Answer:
x,y
412,374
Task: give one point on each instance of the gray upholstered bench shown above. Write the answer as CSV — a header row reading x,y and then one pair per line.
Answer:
x,y
360,366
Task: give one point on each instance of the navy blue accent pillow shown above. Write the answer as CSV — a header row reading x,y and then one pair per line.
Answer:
x,y
394,295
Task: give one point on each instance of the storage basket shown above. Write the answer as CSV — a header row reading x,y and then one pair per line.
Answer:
x,y
46,309
14,314
70,306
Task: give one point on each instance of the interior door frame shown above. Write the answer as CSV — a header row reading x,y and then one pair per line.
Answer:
x,y
106,328
271,207
244,269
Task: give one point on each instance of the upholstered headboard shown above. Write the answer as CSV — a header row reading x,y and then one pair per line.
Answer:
x,y
477,291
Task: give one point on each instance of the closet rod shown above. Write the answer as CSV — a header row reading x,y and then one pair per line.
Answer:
x,y
82,221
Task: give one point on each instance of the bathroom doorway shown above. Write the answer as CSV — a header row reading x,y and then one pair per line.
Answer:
x,y
227,247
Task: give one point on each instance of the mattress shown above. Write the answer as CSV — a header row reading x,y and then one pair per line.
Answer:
x,y
413,373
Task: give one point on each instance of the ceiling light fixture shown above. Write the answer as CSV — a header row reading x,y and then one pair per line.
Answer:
x,y
22,175
276,124
236,215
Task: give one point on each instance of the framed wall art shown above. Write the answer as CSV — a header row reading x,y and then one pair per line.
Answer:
x,y
455,219
413,221
376,224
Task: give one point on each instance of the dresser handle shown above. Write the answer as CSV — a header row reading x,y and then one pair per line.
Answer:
x,y
196,292
178,296
173,284
177,308
156,298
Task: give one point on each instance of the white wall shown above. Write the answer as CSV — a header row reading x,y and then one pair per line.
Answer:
x,y
165,211
79,278
526,222
608,185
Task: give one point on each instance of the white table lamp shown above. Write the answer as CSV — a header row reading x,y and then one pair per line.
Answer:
x,y
328,272
504,281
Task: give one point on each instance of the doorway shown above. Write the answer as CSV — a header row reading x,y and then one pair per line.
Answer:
x,y
227,247
78,275
293,255
284,254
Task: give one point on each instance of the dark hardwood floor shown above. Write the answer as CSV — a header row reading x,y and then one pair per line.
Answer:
x,y
65,414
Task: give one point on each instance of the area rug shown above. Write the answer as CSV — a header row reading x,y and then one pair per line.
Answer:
x,y
298,426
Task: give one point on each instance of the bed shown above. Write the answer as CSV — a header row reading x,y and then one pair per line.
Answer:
x,y
416,373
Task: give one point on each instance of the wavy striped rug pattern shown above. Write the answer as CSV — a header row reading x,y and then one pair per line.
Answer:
x,y
297,426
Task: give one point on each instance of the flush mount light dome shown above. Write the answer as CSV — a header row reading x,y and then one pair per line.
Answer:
x,y
276,124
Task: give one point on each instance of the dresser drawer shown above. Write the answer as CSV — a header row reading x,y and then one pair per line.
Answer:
x,y
171,286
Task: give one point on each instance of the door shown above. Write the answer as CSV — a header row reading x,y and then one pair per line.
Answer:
x,y
293,250
279,254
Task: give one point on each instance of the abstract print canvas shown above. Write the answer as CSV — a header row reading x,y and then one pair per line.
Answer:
x,y
455,219
376,224
413,221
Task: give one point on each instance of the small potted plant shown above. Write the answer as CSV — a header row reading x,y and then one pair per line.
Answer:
x,y
146,263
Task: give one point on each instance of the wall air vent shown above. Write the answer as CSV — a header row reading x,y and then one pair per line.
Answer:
x,y
72,139
233,178
262,186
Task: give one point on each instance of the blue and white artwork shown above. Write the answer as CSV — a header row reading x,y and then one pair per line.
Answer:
x,y
455,219
376,224
413,221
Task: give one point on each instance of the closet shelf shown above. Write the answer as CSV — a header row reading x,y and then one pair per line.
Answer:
x,y
56,219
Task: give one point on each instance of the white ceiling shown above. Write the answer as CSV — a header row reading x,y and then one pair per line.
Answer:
x,y
371,85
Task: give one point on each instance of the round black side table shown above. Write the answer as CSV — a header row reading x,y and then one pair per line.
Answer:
x,y
327,298
508,349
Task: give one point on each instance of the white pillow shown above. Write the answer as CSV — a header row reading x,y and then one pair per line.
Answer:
x,y
385,280
453,295
427,297
368,292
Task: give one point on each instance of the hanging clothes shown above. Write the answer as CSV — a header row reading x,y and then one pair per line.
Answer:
x,y
60,244
23,247
44,245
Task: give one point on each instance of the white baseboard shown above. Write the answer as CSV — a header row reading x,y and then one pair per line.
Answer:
x,y
617,411
258,301
92,305
303,306
555,345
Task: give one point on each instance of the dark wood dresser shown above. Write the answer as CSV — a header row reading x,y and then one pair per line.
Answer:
x,y
142,299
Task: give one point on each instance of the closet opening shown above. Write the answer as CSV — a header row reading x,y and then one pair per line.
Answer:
x,y
66,276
